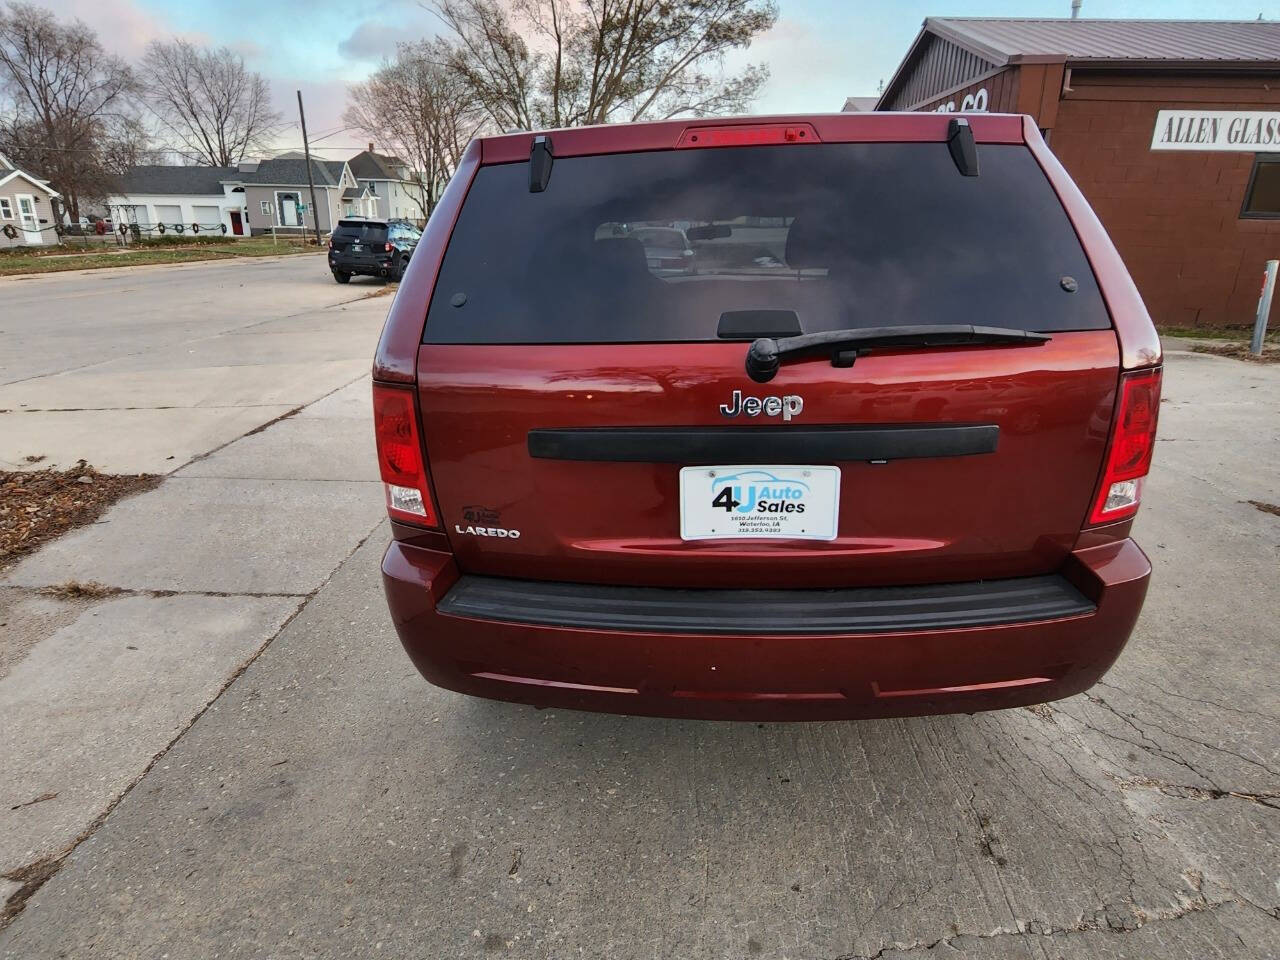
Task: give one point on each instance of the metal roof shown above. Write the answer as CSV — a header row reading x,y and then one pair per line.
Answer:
x,y
855,104
1183,42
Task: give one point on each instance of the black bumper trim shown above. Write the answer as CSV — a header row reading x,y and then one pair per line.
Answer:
x,y
713,611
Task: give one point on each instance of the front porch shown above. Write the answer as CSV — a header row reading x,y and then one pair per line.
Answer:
x,y
359,202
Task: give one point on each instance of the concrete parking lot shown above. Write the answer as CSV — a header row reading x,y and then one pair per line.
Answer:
x,y
231,755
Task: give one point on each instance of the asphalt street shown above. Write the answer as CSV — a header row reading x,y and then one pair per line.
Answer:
x,y
240,761
140,369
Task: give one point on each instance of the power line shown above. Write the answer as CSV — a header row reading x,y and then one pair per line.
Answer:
x,y
160,149
333,134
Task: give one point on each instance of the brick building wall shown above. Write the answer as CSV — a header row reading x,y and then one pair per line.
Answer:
x,y
1174,215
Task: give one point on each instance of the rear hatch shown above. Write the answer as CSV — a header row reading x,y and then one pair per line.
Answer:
x,y
585,403
360,242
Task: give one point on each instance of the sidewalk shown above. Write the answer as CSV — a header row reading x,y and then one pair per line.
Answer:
x,y
203,571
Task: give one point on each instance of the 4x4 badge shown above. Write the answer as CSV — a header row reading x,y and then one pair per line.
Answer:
x,y
787,406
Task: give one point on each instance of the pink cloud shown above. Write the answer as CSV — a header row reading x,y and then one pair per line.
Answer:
x,y
123,27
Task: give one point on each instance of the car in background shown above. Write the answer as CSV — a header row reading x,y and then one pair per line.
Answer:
x,y
666,248
368,247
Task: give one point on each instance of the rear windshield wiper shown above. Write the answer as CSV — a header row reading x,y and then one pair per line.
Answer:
x,y
766,354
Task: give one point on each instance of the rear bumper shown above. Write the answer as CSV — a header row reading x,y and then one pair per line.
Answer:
x,y
801,675
367,266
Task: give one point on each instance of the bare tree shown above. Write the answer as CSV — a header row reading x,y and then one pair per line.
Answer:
x,y
210,107
598,61
417,106
67,109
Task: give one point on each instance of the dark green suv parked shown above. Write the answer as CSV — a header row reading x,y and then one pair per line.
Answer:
x,y
377,248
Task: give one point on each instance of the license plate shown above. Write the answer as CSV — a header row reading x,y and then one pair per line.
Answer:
x,y
356,248
759,503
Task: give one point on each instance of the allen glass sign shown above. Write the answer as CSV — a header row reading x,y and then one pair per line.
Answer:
x,y
1245,131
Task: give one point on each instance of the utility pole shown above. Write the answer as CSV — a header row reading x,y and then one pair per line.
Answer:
x,y
306,150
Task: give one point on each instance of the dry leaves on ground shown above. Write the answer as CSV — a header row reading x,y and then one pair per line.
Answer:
x,y
1240,351
38,505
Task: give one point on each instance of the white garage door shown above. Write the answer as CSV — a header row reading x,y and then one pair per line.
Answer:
x,y
207,217
168,214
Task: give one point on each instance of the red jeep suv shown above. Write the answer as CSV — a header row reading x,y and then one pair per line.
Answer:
x,y
872,447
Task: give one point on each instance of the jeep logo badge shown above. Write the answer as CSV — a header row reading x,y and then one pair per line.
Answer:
x,y
788,406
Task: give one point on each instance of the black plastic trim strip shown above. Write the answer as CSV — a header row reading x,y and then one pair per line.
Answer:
x,y
844,611
690,445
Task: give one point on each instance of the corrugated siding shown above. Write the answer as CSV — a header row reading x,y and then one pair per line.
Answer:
x,y
1002,94
940,66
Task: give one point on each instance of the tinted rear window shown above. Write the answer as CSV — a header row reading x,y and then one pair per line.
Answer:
x,y
361,232
845,235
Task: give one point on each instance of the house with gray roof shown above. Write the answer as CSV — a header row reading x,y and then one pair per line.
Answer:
x,y
397,191
277,195
248,199
173,200
26,208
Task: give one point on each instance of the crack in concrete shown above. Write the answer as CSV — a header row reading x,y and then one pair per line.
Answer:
x,y
1147,743
270,423
30,879
92,590
1186,792
1217,705
36,874
1103,920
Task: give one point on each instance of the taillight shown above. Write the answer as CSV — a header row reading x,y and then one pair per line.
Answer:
x,y
395,427
387,247
1133,438
331,243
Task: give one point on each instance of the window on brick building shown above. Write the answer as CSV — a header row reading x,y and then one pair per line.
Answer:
x,y
1262,198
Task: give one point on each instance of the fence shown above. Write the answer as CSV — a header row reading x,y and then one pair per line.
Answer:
x,y
136,231
16,235
98,233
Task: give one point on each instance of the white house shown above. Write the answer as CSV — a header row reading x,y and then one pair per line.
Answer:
x,y
397,194
254,197
180,200
26,208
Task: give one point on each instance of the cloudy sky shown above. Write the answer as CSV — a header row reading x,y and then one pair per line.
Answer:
x,y
820,51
